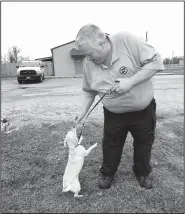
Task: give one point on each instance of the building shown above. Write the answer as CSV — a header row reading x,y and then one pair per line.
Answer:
x,y
48,65
181,61
67,60
45,59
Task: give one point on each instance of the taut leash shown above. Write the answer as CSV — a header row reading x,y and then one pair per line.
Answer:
x,y
93,109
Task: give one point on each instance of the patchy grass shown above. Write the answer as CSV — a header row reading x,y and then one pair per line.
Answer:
x,y
33,161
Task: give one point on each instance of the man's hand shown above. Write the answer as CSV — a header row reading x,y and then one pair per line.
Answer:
x,y
123,85
79,119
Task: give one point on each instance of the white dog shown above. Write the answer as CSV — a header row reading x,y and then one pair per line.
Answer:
x,y
7,127
75,162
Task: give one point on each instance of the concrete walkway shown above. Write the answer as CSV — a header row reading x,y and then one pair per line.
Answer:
x,y
59,77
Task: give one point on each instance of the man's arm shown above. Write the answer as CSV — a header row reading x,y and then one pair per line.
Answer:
x,y
88,93
142,76
126,84
87,101
146,57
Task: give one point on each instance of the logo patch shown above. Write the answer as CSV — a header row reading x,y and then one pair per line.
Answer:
x,y
123,70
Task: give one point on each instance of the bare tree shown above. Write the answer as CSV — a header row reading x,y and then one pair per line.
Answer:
x,y
13,54
3,59
166,60
21,58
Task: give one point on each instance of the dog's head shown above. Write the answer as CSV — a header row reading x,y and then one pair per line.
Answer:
x,y
5,125
71,138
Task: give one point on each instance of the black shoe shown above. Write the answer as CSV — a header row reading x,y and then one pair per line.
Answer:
x,y
105,182
144,181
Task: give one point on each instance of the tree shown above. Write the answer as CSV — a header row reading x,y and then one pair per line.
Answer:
x,y
166,61
175,60
3,59
21,58
13,54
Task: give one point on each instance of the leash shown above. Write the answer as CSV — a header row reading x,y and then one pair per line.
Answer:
x,y
93,109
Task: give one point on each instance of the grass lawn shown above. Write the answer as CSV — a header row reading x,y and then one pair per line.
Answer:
x,y
33,160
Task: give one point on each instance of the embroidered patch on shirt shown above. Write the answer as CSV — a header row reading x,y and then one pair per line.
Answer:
x,y
123,70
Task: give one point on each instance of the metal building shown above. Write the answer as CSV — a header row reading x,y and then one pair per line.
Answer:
x,y
67,60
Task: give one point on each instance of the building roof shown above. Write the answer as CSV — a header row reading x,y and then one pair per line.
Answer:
x,y
68,43
45,58
74,52
63,45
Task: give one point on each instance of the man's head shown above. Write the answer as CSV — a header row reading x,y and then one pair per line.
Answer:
x,y
92,42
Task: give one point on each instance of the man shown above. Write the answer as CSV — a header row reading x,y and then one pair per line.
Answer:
x,y
125,64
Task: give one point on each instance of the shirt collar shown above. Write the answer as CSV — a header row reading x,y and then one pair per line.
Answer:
x,y
115,55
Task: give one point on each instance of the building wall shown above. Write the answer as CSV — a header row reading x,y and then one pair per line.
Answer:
x,y
48,68
63,62
78,62
8,70
181,62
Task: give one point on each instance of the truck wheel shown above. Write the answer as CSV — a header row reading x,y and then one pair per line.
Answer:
x,y
41,79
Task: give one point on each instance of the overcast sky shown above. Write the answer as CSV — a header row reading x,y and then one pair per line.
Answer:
x,y
36,27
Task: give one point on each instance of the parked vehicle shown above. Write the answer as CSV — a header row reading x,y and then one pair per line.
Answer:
x,y
30,70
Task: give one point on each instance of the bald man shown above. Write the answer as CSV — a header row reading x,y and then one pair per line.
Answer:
x,y
125,64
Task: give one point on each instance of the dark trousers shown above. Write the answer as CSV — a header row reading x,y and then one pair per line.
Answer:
x,y
141,125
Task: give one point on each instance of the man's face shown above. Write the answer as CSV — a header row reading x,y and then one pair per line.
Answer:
x,y
95,53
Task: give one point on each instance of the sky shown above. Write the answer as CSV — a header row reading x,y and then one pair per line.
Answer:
x,y
36,27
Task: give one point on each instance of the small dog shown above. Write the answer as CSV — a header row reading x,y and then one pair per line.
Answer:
x,y
7,126
75,162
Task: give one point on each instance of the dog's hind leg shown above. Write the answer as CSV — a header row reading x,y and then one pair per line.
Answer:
x,y
76,188
66,189
77,196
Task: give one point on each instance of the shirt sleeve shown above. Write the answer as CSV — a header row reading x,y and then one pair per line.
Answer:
x,y
145,54
87,80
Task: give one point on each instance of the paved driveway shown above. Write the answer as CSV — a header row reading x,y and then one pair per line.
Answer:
x,y
12,91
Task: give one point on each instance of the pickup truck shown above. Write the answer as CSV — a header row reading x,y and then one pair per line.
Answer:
x,y
30,70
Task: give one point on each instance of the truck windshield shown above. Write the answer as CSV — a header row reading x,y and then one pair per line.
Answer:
x,y
30,64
